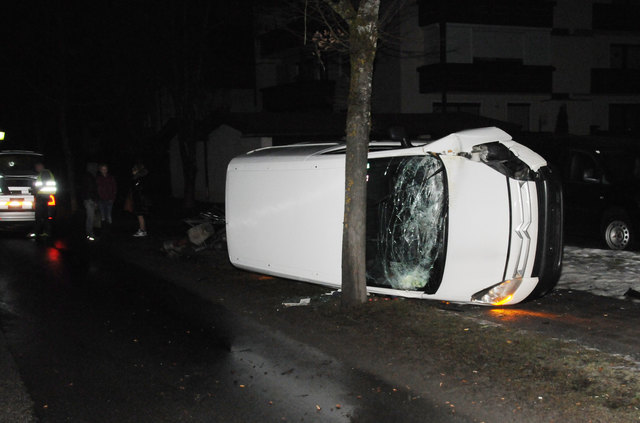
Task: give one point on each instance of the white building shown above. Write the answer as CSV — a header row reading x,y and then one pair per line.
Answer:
x,y
546,65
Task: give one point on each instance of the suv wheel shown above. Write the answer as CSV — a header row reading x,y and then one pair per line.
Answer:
x,y
618,233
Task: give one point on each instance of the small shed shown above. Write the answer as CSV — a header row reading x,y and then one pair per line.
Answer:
x,y
213,155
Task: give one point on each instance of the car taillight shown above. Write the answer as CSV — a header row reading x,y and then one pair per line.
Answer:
x,y
52,200
18,203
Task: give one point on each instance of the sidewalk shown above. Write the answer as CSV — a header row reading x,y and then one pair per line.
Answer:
x,y
15,404
471,367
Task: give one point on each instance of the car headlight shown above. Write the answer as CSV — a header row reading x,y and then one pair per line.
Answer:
x,y
499,294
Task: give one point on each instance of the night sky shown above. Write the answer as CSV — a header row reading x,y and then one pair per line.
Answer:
x,y
101,66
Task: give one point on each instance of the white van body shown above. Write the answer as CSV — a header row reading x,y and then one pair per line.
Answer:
x,y
285,205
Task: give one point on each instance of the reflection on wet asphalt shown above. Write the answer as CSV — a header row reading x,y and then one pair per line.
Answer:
x,y
97,340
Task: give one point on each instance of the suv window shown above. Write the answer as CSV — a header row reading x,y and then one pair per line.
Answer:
x,y
583,168
622,165
17,163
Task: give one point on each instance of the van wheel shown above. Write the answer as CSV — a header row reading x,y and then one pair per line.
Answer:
x,y
618,233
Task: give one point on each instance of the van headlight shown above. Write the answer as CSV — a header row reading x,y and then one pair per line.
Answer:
x,y
499,294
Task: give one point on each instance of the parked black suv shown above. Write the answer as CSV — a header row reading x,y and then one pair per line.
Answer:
x,y
601,185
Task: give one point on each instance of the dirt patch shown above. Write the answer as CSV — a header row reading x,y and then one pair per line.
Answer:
x,y
476,366
426,349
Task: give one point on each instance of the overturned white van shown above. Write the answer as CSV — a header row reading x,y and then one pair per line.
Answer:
x,y
473,217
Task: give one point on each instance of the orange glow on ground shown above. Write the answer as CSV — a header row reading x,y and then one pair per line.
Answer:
x,y
515,314
262,277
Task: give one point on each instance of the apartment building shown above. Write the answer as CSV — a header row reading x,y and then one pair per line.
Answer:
x,y
565,65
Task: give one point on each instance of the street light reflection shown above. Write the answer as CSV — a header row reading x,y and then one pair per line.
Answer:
x,y
53,254
60,245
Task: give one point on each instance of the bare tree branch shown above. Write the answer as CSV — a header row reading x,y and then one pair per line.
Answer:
x,y
343,8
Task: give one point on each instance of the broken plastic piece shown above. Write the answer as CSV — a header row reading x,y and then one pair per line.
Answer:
x,y
302,302
199,234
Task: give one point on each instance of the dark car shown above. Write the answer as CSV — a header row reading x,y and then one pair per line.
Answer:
x,y
17,187
601,185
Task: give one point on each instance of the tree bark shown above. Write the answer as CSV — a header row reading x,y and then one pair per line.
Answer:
x,y
186,141
363,37
62,109
68,155
189,50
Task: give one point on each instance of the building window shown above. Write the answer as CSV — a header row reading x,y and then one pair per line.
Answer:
x,y
471,108
625,56
624,119
623,2
519,113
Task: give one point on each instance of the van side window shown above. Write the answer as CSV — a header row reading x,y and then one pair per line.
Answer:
x,y
583,168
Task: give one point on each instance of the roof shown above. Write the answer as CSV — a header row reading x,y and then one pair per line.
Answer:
x,y
456,142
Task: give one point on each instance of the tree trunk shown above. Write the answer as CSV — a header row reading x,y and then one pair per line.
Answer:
x,y
363,36
186,141
68,155
63,108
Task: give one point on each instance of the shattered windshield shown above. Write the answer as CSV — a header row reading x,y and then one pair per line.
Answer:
x,y
406,222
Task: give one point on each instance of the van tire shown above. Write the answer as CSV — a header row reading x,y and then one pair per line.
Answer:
x,y
617,231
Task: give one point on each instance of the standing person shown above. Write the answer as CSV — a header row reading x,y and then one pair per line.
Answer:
x,y
89,192
107,190
43,187
140,197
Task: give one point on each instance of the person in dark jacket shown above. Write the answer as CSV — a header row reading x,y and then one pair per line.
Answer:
x,y
107,190
89,193
44,187
141,201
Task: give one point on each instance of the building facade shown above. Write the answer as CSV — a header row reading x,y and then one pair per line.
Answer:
x,y
564,66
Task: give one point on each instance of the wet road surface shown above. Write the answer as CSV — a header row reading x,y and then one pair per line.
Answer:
x,y
97,340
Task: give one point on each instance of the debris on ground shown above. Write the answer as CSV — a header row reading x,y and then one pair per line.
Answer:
x,y
207,231
301,302
200,233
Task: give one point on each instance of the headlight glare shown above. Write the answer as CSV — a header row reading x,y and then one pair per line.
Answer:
x,y
499,294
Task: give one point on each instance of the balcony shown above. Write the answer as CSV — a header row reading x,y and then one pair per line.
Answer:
x,y
530,13
485,77
615,81
616,17
300,96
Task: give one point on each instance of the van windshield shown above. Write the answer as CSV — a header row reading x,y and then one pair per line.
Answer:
x,y
406,222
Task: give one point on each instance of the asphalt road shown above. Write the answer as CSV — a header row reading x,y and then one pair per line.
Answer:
x,y
98,340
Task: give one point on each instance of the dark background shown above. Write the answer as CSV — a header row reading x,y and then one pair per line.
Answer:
x,y
100,67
